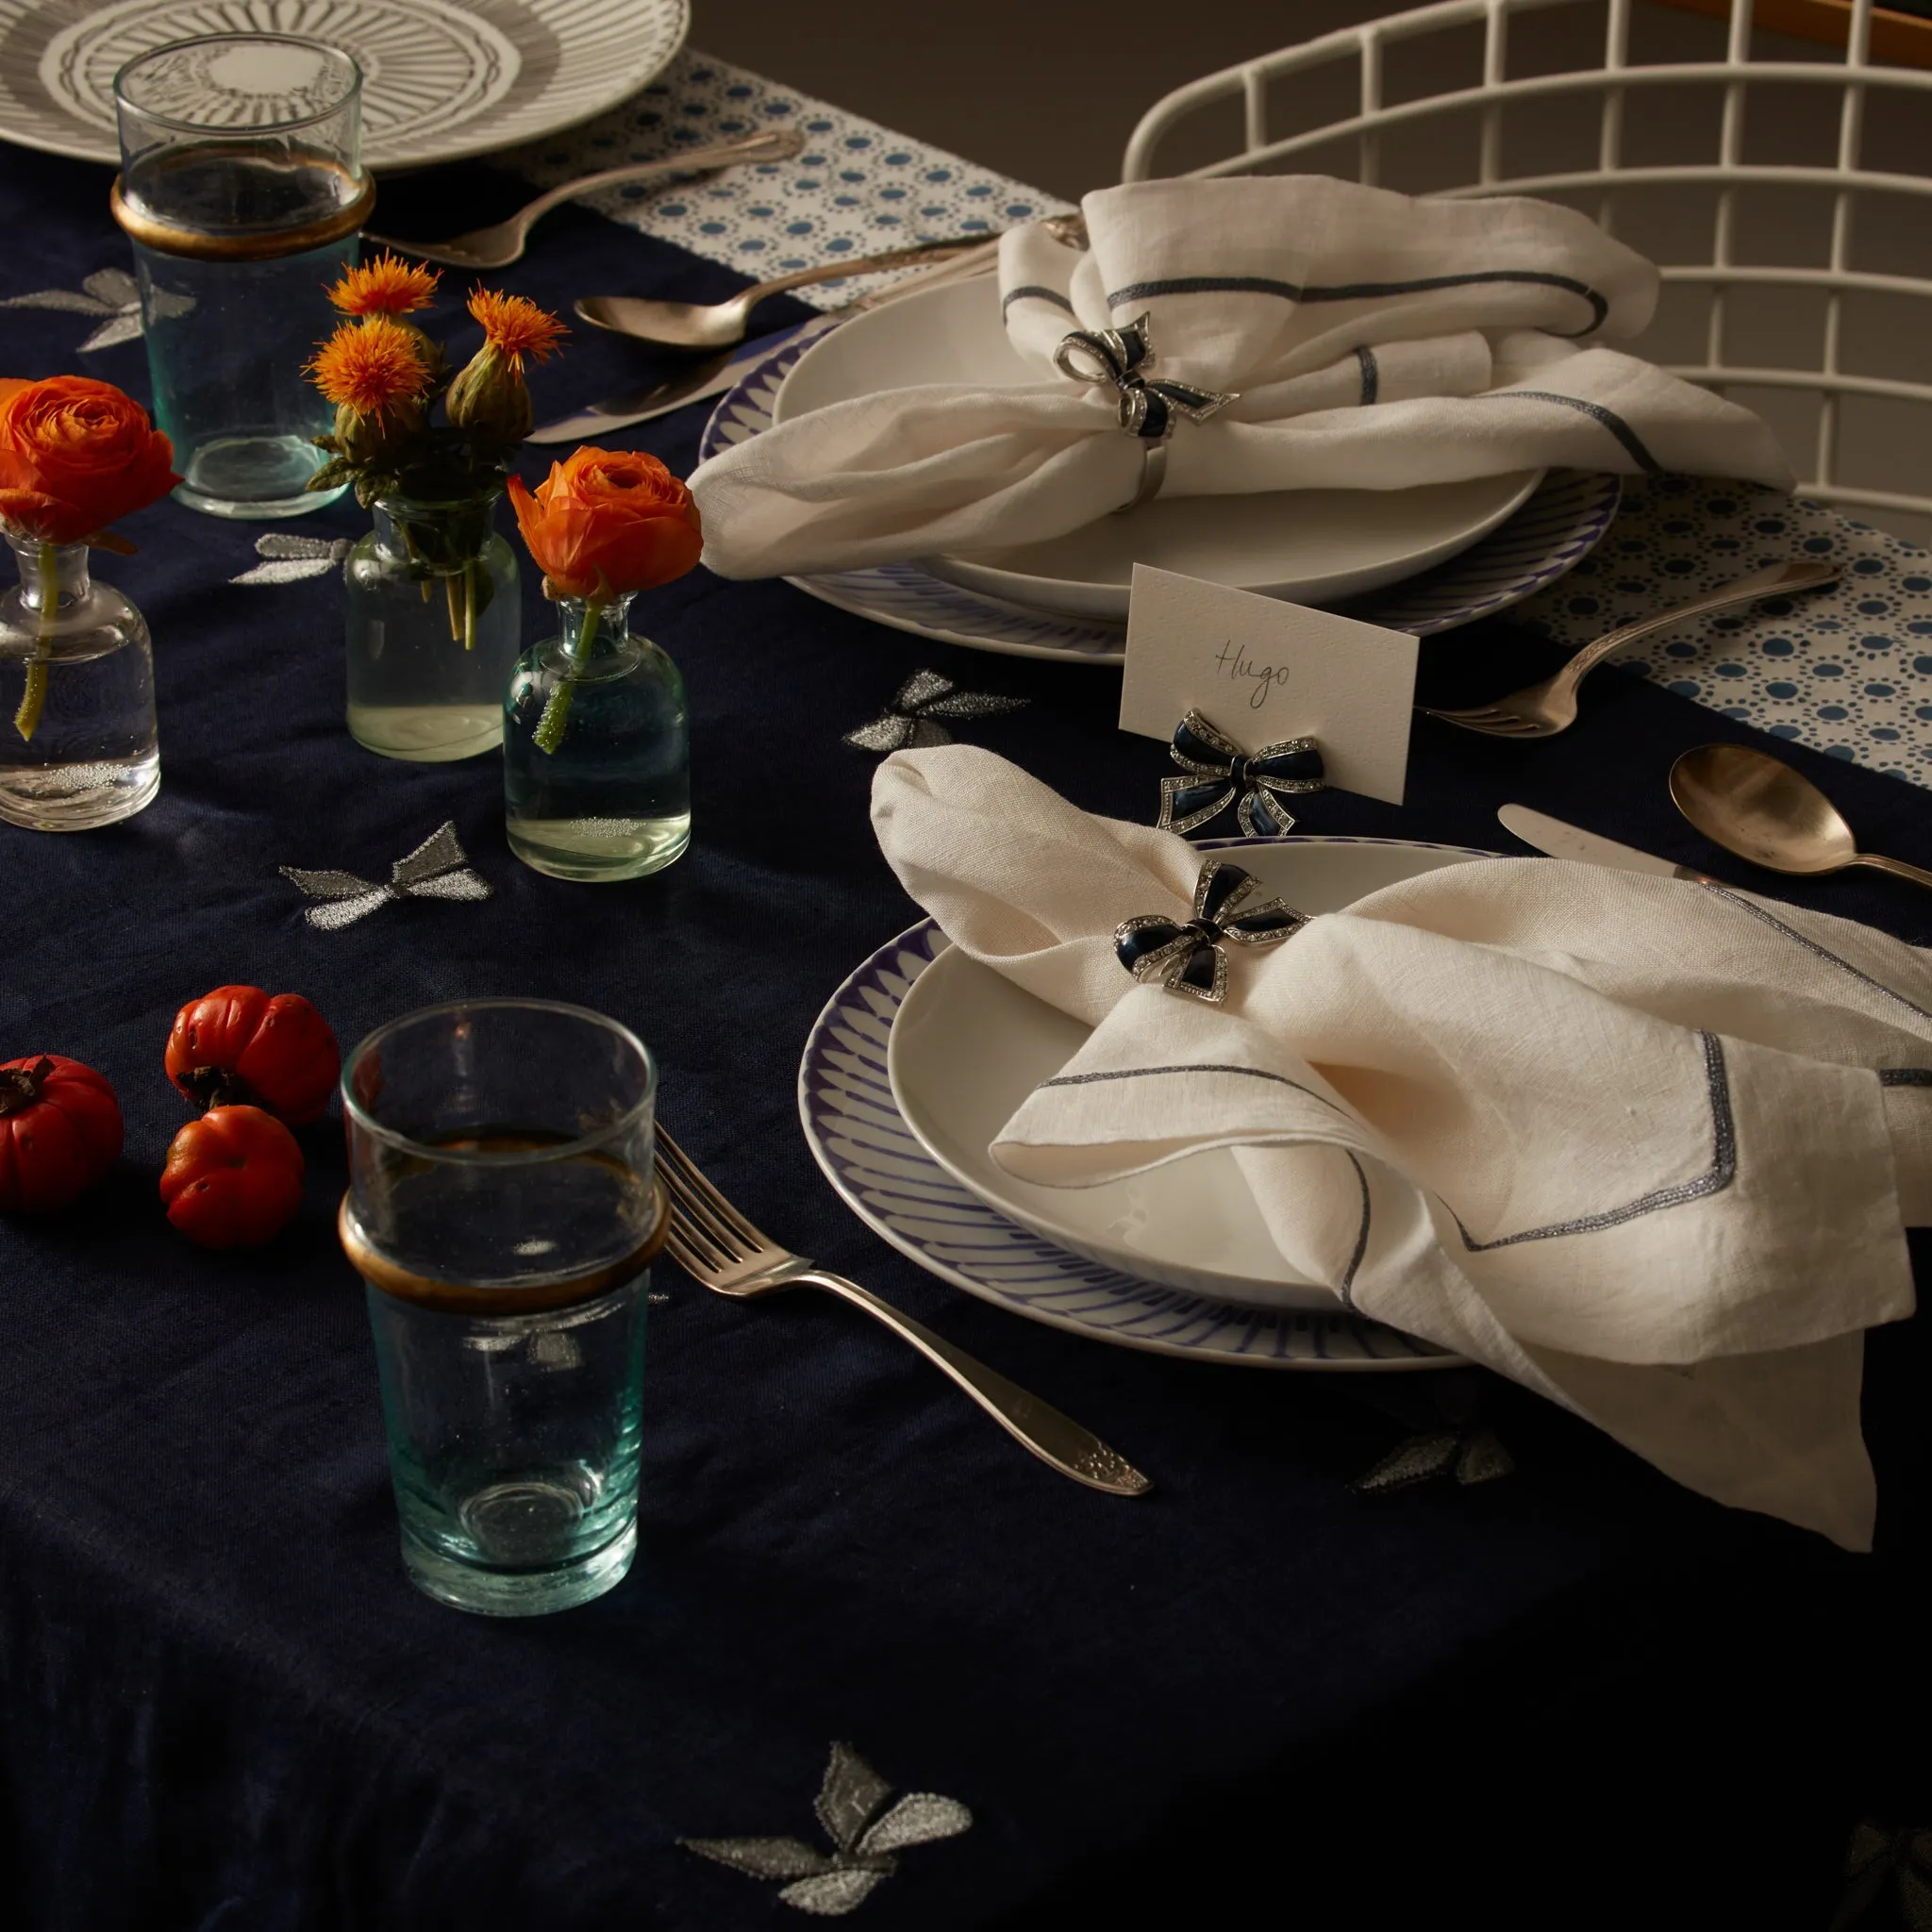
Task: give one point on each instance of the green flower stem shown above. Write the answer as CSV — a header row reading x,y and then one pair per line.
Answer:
x,y
469,568
33,700
453,595
549,733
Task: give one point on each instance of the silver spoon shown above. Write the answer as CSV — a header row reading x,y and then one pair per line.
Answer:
x,y
1756,806
723,324
500,245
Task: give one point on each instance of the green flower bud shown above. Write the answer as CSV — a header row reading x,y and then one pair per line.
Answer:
x,y
488,401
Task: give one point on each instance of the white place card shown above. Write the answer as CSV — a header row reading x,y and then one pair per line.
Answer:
x,y
1260,671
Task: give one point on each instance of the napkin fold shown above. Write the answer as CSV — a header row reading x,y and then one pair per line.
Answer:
x,y
1647,1147
1372,341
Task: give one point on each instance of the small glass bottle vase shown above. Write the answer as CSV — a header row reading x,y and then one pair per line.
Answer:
x,y
596,749
434,619
77,745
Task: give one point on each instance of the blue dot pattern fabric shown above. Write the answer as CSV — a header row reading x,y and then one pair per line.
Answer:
x,y
1846,669
857,188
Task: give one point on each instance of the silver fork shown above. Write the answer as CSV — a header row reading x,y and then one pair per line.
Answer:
x,y
499,245
1542,710
721,1249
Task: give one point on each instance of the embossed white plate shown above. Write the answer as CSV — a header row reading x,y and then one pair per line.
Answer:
x,y
440,79
877,1165
1313,545
967,1046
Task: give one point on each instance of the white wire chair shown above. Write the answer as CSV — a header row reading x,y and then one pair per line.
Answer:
x,y
1608,81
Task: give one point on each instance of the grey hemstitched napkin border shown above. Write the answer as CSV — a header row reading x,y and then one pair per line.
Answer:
x,y
1811,945
1715,1178
1365,291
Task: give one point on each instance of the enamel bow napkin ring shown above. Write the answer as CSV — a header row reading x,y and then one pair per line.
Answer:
x,y
1148,405
1188,958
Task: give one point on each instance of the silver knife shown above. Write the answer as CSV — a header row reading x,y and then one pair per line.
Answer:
x,y
710,377
1558,840
716,374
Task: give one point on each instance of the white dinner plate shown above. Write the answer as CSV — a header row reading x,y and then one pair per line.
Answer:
x,y
440,79
967,1046
1311,545
1561,524
868,1155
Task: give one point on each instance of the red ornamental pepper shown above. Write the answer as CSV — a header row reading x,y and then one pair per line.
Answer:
x,y
236,1046
233,1178
59,1132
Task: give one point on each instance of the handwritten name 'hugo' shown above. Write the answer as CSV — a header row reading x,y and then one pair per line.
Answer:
x,y
1232,662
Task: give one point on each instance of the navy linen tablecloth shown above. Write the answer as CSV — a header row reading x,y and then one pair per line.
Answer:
x,y
1576,1695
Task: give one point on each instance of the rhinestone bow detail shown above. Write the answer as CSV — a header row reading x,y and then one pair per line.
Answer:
x,y
1122,356
913,717
1188,958
864,1833
1220,773
438,869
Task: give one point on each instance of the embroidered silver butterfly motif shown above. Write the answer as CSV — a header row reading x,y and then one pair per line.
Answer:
x,y
913,717
110,293
1472,1454
1877,1862
864,1831
438,869
288,559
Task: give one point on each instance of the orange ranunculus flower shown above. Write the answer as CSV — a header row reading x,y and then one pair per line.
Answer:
x,y
75,454
606,521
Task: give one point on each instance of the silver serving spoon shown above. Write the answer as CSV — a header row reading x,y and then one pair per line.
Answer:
x,y
723,324
1756,806
500,245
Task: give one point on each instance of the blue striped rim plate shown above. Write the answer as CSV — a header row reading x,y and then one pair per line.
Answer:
x,y
1561,524
858,1137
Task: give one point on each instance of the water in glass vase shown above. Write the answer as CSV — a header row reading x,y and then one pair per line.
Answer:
x,y
433,623
596,746
77,742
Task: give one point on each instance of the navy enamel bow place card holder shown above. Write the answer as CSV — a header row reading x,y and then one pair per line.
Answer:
x,y
1221,773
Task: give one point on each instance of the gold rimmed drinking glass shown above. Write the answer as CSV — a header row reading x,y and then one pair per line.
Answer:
x,y
242,192
502,1212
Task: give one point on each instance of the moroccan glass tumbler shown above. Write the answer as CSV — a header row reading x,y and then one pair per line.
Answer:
x,y
242,190
502,1212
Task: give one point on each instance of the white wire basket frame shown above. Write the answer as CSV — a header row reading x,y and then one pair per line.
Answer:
x,y
1609,87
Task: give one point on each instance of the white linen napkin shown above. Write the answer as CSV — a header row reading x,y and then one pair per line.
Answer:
x,y
1376,342
1621,1138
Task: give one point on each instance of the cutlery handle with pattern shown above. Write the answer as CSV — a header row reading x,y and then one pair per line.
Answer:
x,y
1054,1438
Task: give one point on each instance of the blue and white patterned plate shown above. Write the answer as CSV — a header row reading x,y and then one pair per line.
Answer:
x,y
858,1137
1554,531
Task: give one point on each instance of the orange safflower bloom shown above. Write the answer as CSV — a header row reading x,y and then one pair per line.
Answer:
x,y
607,521
370,366
515,328
387,286
76,455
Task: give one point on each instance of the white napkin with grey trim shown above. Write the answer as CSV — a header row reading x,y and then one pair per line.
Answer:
x,y
1369,342
1647,1147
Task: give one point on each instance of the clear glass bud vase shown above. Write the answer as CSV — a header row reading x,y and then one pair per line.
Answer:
x,y
434,626
596,749
77,745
